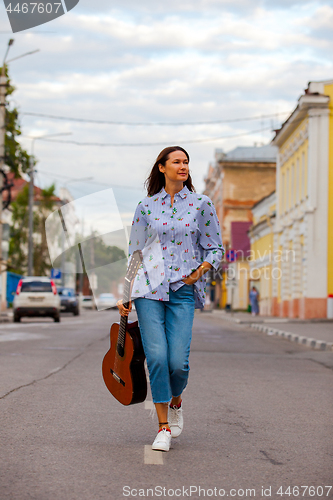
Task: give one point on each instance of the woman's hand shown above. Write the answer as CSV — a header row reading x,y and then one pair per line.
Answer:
x,y
193,277
189,281
122,310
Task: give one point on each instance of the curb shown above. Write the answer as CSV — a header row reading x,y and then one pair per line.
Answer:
x,y
322,345
6,317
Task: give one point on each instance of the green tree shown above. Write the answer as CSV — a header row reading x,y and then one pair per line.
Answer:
x,y
16,158
97,253
18,243
17,255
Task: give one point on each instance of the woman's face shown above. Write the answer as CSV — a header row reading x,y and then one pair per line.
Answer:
x,y
176,167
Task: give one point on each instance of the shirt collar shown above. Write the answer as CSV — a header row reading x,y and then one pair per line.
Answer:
x,y
183,193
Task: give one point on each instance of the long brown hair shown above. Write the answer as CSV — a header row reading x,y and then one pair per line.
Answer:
x,y
156,180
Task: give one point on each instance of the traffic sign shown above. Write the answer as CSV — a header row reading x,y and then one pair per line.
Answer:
x,y
55,273
231,255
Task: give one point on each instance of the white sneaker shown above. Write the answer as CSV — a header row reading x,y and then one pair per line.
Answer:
x,y
176,420
163,440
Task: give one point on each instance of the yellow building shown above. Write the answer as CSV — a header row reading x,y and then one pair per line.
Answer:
x,y
263,268
303,233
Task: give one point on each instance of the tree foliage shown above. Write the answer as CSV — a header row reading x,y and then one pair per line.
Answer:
x,y
16,158
107,262
17,256
18,243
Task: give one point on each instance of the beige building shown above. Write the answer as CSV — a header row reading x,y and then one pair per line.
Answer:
x,y
235,182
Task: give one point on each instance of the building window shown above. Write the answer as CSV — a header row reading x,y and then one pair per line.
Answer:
x,y
307,168
290,254
303,176
302,269
297,180
287,190
283,194
292,185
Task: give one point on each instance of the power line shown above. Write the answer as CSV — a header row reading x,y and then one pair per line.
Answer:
x,y
152,124
189,141
129,145
49,174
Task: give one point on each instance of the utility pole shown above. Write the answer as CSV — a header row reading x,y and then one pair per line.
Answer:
x,y
3,84
31,198
31,213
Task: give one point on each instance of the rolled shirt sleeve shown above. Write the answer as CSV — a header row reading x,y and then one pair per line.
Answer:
x,y
139,230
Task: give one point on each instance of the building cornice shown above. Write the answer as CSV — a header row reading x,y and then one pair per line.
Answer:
x,y
267,222
305,103
247,164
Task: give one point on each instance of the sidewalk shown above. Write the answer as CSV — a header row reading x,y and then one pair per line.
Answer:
x,y
6,316
317,334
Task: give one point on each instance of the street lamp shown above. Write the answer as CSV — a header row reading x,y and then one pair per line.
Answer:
x,y
22,55
31,198
10,43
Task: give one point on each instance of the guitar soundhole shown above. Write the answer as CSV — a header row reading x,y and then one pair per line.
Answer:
x,y
120,350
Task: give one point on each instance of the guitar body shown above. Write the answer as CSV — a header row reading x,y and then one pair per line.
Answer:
x,y
125,376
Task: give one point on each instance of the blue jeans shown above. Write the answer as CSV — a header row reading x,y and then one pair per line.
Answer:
x,y
166,332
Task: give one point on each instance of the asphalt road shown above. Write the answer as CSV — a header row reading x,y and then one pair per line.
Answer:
x,y
258,414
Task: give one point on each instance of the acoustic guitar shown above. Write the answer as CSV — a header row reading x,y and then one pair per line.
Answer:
x,y
123,365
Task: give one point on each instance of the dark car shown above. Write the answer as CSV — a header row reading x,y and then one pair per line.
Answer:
x,y
69,300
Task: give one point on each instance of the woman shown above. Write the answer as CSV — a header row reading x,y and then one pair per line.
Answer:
x,y
178,232
254,301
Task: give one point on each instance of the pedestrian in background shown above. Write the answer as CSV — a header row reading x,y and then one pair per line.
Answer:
x,y
254,301
190,244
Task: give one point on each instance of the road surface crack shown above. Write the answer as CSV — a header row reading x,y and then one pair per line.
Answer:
x,y
320,363
53,372
272,461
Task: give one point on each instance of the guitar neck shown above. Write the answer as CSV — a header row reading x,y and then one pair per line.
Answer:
x,y
124,319
127,293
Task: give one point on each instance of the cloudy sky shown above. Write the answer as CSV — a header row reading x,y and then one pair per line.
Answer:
x,y
152,63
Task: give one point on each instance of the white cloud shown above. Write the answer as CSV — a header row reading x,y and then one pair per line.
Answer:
x,y
209,60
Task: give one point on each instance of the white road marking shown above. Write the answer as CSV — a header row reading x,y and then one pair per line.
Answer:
x,y
38,324
152,457
20,336
5,326
149,405
67,323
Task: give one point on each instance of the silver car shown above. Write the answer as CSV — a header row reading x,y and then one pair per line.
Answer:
x,y
36,296
106,301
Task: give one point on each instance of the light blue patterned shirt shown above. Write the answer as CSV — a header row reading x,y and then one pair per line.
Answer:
x,y
174,240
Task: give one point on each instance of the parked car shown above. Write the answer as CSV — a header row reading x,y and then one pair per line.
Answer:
x,y
87,301
69,300
106,301
36,296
